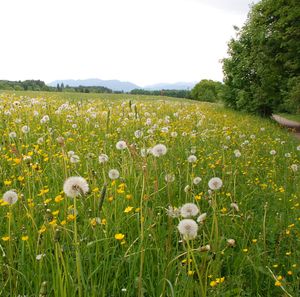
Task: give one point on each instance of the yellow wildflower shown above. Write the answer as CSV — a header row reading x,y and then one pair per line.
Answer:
x,y
119,236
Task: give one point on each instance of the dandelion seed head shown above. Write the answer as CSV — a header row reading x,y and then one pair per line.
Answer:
x,y
188,228
159,150
10,197
189,210
75,186
113,174
215,183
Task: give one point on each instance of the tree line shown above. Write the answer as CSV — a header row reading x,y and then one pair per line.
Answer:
x,y
262,71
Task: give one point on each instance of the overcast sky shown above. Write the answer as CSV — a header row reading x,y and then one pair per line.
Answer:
x,y
142,41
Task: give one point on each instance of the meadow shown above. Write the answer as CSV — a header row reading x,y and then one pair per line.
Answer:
x,y
122,195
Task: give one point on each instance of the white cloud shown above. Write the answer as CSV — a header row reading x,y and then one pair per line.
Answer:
x,y
143,41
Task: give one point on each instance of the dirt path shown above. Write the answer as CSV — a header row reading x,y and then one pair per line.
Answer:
x,y
295,126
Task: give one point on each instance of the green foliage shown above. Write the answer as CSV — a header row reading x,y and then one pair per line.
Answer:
x,y
169,93
262,72
27,85
208,90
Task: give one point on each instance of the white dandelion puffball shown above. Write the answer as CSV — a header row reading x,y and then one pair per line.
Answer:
x,y
159,150
12,134
189,210
45,119
215,183
103,158
294,167
192,159
121,145
272,152
187,188
188,228
298,148
40,140
201,219
173,212
71,153
25,129
138,133
113,174
169,178
10,197
231,242
75,186
235,206
197,180
237,153
74,159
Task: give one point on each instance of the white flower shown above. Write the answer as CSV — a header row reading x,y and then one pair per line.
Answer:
x,y
231,242
202,218
165,130
189,210
40,140
192,159
215,183
188,228
40,256
174,134
272,152
173,212
298,148
60,140
205,248
197,180
294,167
12,134
45,119
235,206
103,158
262,129
138,133
121,145
159,150
10,197
74,159
287,155
113,174
70,153
169,178
193,150
186,188
237,153
74,126
75,186
25,129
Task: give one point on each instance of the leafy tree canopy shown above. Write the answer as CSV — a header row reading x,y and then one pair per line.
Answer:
x,y
262,72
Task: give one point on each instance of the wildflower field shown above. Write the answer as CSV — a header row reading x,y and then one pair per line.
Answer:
x,y
117,195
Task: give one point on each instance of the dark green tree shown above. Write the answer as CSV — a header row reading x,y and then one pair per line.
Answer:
x,y
263,68
208,90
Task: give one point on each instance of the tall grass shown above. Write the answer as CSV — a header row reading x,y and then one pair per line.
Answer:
x,y
118,239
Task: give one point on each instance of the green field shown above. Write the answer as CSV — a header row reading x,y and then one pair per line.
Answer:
x,y
119,236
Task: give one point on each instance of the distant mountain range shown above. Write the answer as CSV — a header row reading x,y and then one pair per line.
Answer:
x,y
117,85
